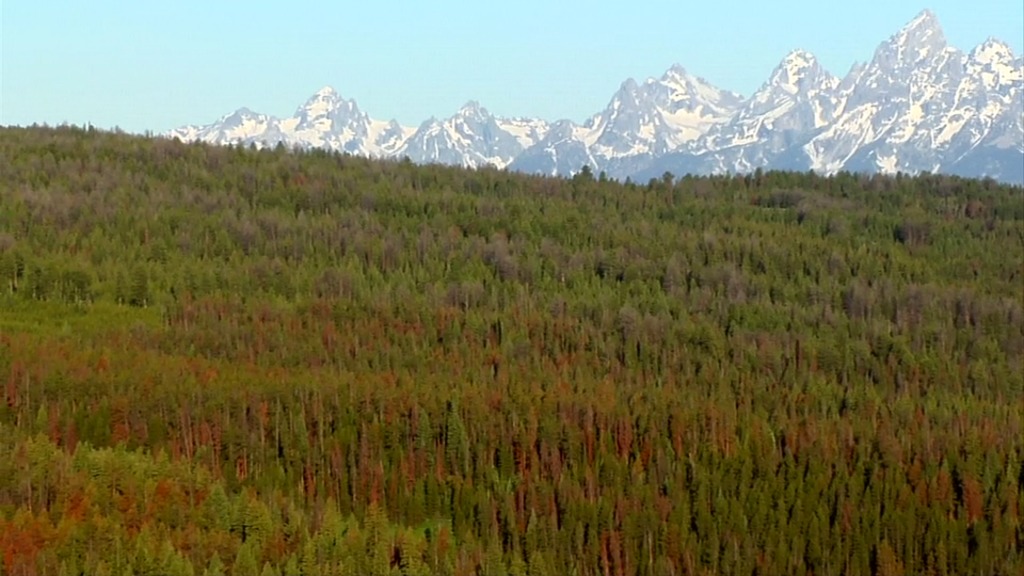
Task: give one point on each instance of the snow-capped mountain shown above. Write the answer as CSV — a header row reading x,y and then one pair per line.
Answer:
x,y
798,99
241,125
564,150
896,102
642,122
473,137
917,105
923,105
326,120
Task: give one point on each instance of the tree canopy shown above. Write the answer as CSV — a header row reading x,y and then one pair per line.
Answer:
x,y
219,360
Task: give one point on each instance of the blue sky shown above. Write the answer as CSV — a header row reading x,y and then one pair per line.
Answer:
x,y
156,65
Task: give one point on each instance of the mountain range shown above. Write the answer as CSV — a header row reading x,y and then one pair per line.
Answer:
x,y
918,105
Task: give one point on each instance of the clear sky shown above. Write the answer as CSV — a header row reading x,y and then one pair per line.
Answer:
x,y
154,65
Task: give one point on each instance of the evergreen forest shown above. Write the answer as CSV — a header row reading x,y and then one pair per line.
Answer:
x,y
224,361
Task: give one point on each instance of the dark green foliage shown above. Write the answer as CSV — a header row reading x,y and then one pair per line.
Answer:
x,y
223,360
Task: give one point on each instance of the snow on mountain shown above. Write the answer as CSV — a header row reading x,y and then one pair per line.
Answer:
x,y
564,149
473,137
918,104
660,115
993,65
799,98
239,126
690,105
387,138
329,121
640,123
923,105
527,131
986,108
325,120
891,113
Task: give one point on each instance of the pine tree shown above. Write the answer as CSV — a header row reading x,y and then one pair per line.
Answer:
x,y
215,567
291,566
378,546
456,440
138,290
217,509
309,562
245,563
493,562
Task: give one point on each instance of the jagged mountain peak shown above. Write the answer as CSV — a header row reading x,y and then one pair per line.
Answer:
x,y
628,86
920,39
675,72
923,29
657,116
472,137
994,64
799,97
992,50
691,90
627,98
798,71
243,121
326,97
925,19
472,109
243,112
923,105
918,104
799,59
327,92
326,104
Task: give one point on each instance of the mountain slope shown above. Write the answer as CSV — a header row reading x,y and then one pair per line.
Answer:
x,y
473,137
641,122
917,105
325,120
923,105
799,98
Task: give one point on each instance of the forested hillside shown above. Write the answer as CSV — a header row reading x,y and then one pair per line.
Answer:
x,y
226,361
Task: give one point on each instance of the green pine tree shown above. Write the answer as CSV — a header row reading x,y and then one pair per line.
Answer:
x,y
245,563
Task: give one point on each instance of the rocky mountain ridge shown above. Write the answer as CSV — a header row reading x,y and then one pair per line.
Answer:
x,y
917,105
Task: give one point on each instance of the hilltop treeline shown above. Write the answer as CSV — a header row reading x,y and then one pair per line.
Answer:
x,y
220,360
